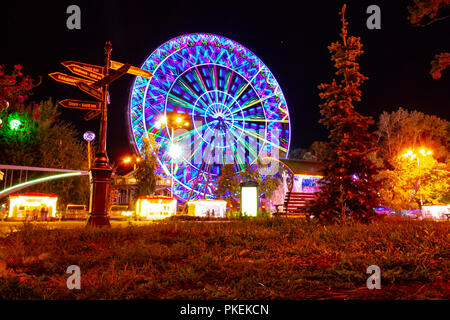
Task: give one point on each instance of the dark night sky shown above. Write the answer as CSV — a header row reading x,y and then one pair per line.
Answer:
x,y
291,38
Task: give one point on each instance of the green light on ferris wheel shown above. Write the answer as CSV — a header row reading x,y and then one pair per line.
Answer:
x,y
14,124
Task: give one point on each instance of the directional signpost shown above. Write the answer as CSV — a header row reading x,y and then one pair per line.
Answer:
x,y
85,66
75,68
68,79
77,104
91,115
113,76
133,70
97,94
95,82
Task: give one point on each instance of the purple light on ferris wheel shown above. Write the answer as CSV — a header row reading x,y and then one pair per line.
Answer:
x,y
89,136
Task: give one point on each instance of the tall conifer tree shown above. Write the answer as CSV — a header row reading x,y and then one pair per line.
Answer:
x,y
348,188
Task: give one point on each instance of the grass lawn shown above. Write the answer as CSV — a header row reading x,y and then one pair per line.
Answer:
x,y
275,258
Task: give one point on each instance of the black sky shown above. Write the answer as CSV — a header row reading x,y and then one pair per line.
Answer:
x,y
290,37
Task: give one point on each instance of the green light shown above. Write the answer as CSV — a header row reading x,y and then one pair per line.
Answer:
x,y
14,124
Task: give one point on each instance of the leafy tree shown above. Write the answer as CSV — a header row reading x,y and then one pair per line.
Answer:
x,y
15,88
39,138
146,172
425,12
407,182
410,183
228,184
349,187
401,130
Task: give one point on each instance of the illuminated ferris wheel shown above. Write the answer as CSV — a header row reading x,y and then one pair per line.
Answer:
x,y
227,103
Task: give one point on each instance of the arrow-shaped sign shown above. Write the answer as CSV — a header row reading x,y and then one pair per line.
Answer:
x,y
113,76
86,66
68,79
133,70
77,104
97,94
91,115
84,71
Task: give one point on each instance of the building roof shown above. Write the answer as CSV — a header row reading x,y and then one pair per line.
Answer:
x,y
305,167
156,198
33,194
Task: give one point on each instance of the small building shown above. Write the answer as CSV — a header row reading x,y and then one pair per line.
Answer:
x,y
35,206
207,208
123,187
299,184
155,207
435,211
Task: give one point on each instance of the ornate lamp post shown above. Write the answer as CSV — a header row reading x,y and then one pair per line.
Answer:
x,y
101,172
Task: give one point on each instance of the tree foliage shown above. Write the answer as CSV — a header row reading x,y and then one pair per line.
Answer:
x,y
401,130
228,184
15,88
426,178
41,139
349,187
425,12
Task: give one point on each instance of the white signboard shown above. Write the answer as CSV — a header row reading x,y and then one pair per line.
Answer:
x,y
249,198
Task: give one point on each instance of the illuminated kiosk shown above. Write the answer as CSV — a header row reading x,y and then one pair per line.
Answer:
x,y
207,208
31,203
249,198
435,211
155,207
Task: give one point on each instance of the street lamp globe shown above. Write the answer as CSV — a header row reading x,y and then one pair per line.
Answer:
x,y
89,136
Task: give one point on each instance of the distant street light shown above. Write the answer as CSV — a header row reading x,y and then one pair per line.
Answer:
x,y
134,159
412,155
14,124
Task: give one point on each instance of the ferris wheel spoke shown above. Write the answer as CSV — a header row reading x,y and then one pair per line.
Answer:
x,y
188,134
192,93
248,147
228,79
242,90
214,81
252,103
258,120
200,80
